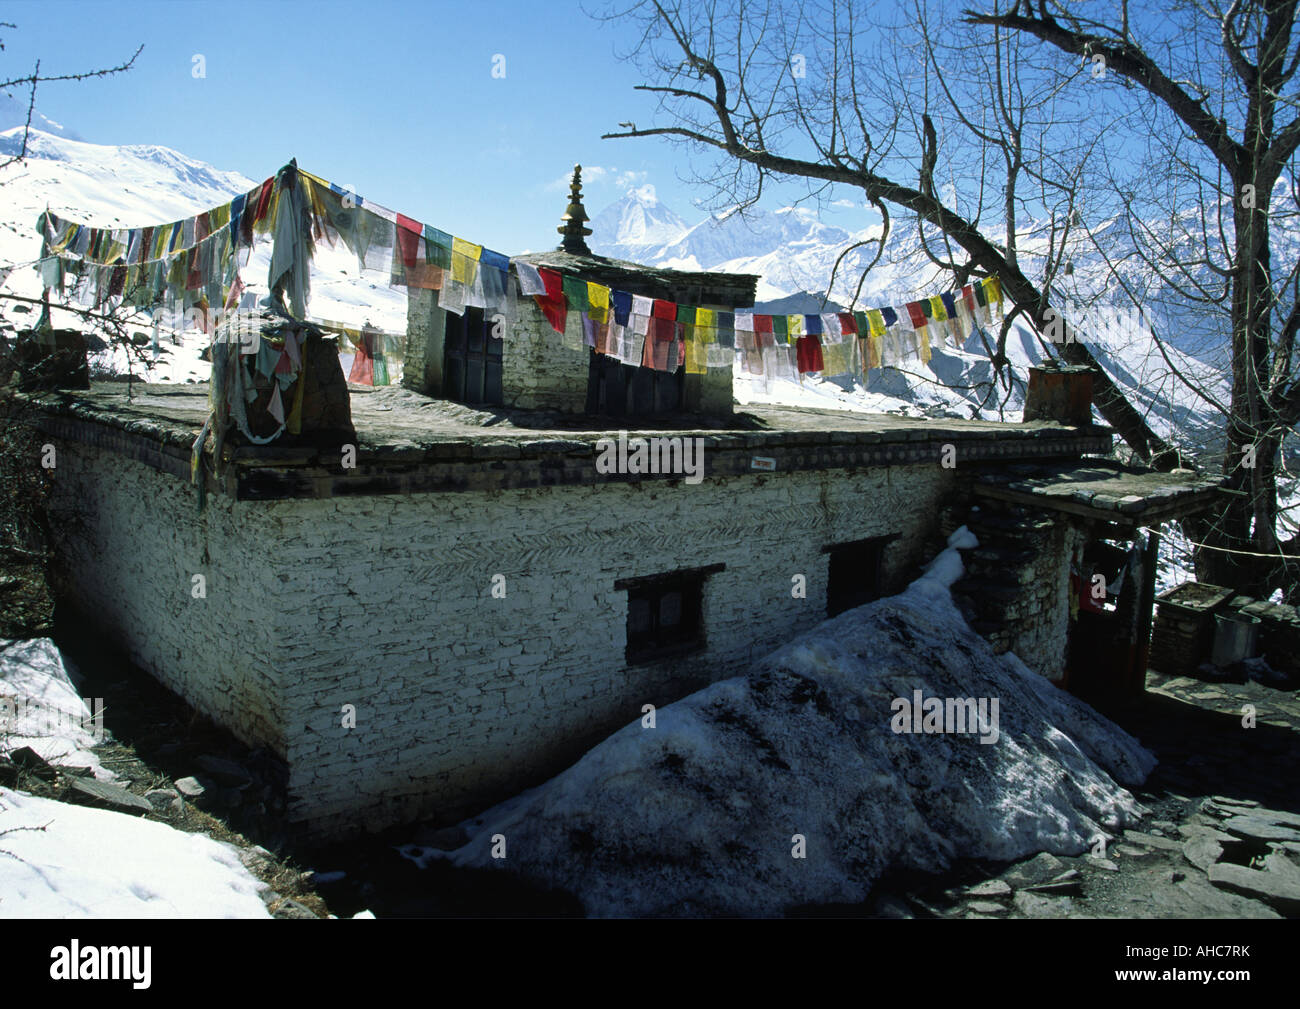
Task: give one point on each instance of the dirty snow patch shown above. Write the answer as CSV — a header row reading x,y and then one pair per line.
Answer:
x,y
41,708
699,815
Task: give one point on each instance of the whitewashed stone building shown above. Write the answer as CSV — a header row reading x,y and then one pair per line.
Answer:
x,y
475,603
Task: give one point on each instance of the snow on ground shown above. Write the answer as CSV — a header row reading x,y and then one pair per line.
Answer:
x,y
93,863
698,815
40,707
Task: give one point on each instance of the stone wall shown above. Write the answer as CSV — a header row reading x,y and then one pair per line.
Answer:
x,y
131,541
385,603
1016,589
423,351
540,369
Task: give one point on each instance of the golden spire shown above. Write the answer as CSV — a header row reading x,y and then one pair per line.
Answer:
x,y
574,228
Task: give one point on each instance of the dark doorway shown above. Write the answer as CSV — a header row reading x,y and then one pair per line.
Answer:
x,y
615,389
471,369
855,573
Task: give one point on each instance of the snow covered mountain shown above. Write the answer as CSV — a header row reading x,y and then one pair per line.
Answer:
x,y
136,185
636,222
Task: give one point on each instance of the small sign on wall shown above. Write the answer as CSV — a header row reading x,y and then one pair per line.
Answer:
x,y
762,462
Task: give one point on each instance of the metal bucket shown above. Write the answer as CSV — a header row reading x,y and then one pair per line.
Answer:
x,y
1236,637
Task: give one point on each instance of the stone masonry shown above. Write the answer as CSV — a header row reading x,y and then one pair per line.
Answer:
x,y
385,603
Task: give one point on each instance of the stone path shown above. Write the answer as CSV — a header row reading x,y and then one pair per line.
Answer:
x,y
1221,838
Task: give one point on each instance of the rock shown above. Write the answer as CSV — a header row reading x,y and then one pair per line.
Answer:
x,y
1038,869
1177,877
1033,905
1223,800
89,792
989,888
1164,825
1210,807
1132,852
1279,889
29,761
1062,888
1191,831
227,772
290,908
164,798
986,907
1152,841
1102,863
1202,852
1260,829
1281,816
191,788
255,857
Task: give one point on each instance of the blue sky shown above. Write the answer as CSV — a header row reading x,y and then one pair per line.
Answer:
x,y
395,99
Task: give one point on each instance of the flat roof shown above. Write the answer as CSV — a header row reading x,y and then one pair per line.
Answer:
x,y
408,442
1102,490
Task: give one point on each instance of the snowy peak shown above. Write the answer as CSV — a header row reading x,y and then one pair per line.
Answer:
x,y
14,113
127,186
637,221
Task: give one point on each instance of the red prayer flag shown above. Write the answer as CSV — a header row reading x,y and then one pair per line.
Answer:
x,y
552,303
848,324
363,364
264,199
409,235
664,310
917,315
809,353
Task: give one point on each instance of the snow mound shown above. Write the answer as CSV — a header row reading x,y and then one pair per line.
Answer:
x,y
699,815
41,708
93,863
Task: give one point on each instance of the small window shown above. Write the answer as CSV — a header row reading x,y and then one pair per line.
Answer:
x,y
665,613
855,575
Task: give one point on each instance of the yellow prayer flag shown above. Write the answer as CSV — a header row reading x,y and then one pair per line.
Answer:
x,y
875,323
795,323
464,261
469,250
696,355
706,317
940,314
597,302
992,289
925,345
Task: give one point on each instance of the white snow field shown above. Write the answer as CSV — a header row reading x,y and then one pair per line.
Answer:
x,y
698,816
93,863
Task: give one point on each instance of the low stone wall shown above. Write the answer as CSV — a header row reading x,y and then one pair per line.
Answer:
x,y
1279,631
1182,635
